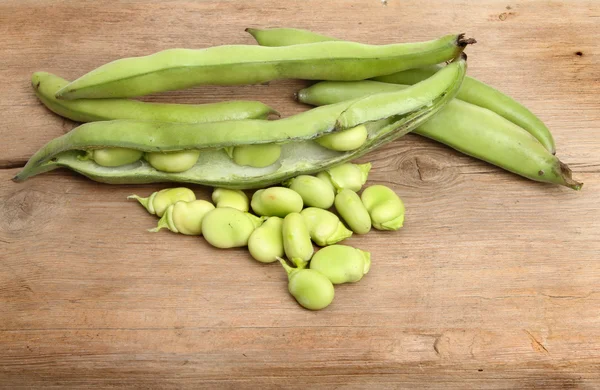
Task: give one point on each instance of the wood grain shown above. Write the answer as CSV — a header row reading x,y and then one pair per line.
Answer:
x,y
492,283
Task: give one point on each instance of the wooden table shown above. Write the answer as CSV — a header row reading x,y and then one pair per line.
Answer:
x,y
492,283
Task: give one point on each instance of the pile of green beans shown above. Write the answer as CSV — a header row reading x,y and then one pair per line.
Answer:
x,y
287,221
307,190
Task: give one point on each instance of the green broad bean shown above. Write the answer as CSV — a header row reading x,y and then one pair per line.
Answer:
x,y
475,131
324,227
46,85
266,242
324,177
314,191
184,217
341,263
257,156
225,227
113,157
300,155
344,141
351,209
158,202
176,69
310,288
385,208
296,240
173,162
237,199
276,201
349,176
472,90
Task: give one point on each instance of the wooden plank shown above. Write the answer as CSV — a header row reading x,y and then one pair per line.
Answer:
x,y
492,283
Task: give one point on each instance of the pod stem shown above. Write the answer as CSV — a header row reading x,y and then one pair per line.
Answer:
x,y
461,41
566,174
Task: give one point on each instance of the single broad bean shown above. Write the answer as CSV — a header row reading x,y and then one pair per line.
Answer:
x,y
352,210
184,217
257,156
314,191
266,242
296,240
177,161
324,176
384,206
341,263
276,201
237,199
324,227
226,227
158,202
113,157
311,289
344,141
349,176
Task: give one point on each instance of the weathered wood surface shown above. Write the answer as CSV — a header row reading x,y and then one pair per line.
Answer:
x,y
493,282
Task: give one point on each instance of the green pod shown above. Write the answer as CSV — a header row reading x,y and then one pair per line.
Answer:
x,y
351,209
158,202
276,201
46,85
300,155
266,242
113,157
468,128
257,156
341,263
314,191
385,208
311,289
184,217
176,69
324,227
173,162
349,176
296,240
223,197
472,91
225,227
344,141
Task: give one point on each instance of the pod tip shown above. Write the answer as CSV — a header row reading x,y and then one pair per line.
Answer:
x,y
463,42
567,176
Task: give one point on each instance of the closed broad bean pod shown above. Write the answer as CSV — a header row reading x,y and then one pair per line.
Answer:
x,y
113,157
341,263
311,289
266,242
184,217
352,210
257,156
314,191
349,176
225,227
346,140
384,206
324,227
158,201
178,161
237,199
276,202
296,240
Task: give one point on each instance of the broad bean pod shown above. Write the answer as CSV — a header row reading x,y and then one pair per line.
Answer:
x,y
472,91
46,85
467,128
300,154
175,69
